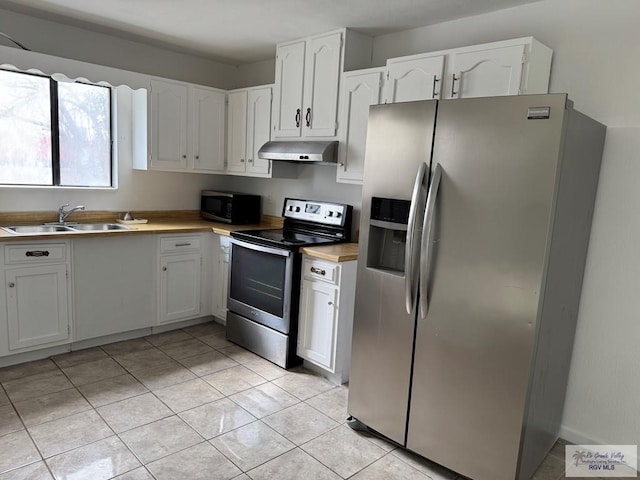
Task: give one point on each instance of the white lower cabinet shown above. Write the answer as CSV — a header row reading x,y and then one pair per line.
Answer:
x,y
37,296
180,276
114,288
326,316
221,276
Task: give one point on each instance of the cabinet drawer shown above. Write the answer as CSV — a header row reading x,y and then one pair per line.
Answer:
x,y
318,270
35,253
180,244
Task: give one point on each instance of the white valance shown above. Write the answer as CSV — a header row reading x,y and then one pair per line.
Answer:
x,y
66,70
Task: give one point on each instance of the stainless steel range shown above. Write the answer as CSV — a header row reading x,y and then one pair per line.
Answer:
x,y
264,278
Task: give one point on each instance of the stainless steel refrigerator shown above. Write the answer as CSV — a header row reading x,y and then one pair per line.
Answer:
x,y
474,230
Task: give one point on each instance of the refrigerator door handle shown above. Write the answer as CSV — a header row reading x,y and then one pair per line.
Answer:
x,y
425,245
409,254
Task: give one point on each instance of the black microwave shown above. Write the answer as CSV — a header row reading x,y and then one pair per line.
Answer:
x,y
230,207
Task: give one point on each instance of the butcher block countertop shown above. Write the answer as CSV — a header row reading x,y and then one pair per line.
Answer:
x,y
173,221
342,252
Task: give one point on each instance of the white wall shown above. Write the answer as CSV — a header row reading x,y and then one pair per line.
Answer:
x,y
315,182
258,73
79,44
138,190
596,61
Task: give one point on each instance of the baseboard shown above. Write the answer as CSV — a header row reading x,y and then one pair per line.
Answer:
x,y
579,438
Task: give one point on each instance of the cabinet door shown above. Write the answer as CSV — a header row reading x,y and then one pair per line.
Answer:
x,y
168,126
414,79
179,287
287,111
318,322
258,129
207,129
322,78
37,305
486,73
237,133
359,91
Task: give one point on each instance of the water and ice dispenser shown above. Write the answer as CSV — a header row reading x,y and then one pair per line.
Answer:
x,y
388,234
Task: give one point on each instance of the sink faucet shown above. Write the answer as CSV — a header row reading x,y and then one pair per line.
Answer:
x,y
63,214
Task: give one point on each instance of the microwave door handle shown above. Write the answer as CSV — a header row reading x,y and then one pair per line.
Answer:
x,y
262,248
410,246
427,235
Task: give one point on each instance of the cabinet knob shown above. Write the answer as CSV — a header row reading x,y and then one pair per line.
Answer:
x,y
184,156
164,269
11,284
330,303
197,157
250,160
242,160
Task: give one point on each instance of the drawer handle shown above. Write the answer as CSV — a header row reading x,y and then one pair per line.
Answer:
x,y
37,253
183,244
11,285
318,271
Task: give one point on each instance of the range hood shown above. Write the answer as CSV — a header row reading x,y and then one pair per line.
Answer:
x,y
317,152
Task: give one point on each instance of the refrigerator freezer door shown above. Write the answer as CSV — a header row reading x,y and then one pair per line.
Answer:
x,y
489,243
399,140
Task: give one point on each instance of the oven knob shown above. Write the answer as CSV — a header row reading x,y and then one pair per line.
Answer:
x,y
291,208
329,213
338,214
297,209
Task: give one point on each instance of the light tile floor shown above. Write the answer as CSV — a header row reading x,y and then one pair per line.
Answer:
x,y
188,404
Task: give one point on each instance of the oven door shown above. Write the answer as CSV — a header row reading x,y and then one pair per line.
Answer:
x,y
260,283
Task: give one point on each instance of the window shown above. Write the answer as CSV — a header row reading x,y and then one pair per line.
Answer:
x,y
54,133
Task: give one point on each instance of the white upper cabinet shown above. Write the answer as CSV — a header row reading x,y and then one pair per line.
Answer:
x,y
322,78
308,82
360,89
410,79
490,72
168,126
237,131
208,109
249,127
186,128
510,67
513,67
258,129
289,87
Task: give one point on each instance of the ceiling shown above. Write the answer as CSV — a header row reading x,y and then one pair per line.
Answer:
x,y
244,31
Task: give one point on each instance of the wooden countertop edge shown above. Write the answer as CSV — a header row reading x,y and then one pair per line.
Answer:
x,y
173,225
342,252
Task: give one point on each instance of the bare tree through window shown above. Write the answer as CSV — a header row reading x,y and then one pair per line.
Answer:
x,y
81,125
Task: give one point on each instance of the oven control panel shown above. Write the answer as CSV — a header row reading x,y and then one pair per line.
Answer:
x,y
311,211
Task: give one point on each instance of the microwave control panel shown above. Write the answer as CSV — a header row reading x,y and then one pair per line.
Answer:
x,y
317,212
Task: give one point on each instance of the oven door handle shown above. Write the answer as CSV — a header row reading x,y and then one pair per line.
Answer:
x,y
262,248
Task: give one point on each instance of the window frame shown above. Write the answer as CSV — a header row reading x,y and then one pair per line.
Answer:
x,y
55,138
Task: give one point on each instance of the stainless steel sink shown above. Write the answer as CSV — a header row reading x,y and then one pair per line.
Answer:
x,y
77,227
35,229
92,227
